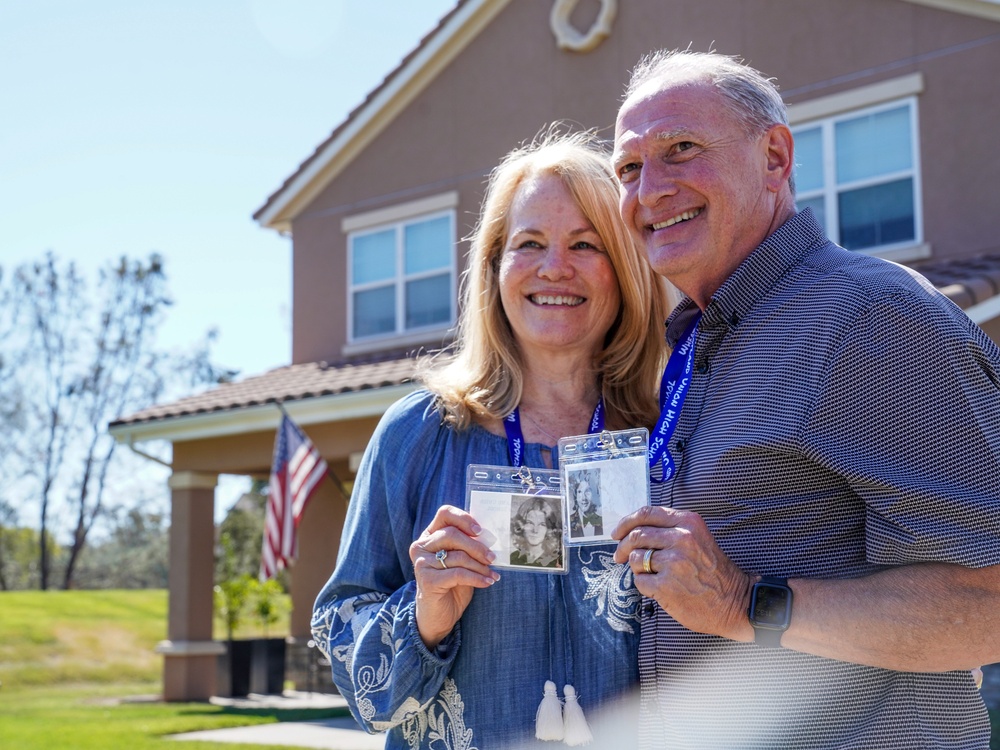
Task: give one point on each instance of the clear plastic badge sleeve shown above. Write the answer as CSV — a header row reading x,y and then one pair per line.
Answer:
x,y
520,511
605,477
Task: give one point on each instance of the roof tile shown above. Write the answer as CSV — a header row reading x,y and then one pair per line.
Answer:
x,y
966,281
283,384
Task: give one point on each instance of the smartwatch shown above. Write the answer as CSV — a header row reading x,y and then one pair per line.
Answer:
x,y
770,610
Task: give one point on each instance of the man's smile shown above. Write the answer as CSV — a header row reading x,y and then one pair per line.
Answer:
x,y
685,216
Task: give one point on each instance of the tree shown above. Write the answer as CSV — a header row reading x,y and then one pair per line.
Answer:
x,y
18,552
82,364
134,555
54,305
237,564
241,535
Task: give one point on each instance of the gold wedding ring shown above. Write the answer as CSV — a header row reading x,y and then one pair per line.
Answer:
x,y
442,555
647,562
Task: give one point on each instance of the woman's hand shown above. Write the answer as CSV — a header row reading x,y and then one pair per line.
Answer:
x,y
445,582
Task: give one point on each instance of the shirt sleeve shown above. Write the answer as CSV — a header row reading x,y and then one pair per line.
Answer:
x,y
909,416
364,618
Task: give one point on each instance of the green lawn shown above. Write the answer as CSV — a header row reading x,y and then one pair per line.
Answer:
x,y
78,672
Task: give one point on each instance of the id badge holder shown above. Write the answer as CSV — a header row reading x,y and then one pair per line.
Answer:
x,y
520,511
605,476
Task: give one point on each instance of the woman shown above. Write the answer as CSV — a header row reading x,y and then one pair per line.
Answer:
x,y
536,533
560,315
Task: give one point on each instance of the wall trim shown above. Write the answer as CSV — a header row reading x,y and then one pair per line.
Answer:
x,y
864,96
371,402
400,212
984,311
437,337
192,480
988,9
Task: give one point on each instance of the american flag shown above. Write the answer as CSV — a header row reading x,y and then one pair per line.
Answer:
x,y
297,470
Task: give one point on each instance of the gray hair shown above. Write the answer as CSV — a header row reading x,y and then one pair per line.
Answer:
x,y
752,97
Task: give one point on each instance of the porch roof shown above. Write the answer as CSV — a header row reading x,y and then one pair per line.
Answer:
x,y
322,391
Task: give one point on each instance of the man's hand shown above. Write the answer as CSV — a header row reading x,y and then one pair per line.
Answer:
x,y
692,579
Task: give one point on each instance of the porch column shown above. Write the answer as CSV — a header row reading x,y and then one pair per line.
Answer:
x,y
190,654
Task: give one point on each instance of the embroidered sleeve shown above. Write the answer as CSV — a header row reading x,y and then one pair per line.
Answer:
x,y
380,664
364,618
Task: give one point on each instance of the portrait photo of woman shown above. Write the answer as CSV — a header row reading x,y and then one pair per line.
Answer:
x,y
536,532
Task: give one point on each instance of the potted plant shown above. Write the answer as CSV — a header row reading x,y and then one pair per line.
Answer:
x,y
230,598
268,667
251,665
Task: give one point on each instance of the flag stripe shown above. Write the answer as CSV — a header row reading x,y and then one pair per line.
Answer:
x,y
297,470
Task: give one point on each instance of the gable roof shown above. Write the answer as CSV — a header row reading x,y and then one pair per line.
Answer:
x,y
454,32
434,52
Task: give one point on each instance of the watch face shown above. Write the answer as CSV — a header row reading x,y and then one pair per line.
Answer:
x,y
770,606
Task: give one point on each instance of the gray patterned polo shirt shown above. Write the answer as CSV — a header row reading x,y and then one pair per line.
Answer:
x,y
843,417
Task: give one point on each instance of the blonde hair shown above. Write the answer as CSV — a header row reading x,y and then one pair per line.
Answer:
x,y
484,376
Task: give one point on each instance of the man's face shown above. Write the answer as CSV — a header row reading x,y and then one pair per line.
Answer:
x,y
694,187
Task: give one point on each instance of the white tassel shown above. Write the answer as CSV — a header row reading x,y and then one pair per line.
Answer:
x,y
548,719
577,731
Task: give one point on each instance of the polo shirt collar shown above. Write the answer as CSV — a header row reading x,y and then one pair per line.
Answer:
x,y
753,278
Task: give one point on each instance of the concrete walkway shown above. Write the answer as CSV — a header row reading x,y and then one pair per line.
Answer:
x,y
338,733
333,734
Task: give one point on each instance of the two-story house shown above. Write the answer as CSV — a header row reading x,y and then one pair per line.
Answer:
x,y
894,104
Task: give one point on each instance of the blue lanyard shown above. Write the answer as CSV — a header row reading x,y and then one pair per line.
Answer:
x,y
673,390
515,438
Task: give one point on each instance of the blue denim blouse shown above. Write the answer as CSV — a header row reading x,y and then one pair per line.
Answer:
x,y
480,688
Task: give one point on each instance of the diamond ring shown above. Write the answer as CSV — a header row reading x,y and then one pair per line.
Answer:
x,y
441,556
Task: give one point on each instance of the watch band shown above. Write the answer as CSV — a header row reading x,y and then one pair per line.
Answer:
x,y
767,637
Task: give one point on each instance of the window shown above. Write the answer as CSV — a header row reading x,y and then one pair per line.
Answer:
x,y
859,172
401,277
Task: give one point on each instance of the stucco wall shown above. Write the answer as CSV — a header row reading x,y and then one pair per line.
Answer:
x,y
513,80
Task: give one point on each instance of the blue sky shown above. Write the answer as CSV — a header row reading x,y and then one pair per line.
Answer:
x,y
130,127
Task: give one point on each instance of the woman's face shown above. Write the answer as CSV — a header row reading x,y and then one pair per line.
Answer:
x,y
557,284
534,527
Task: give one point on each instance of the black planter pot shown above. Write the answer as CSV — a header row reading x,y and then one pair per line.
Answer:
x,y
267,667
234,669
252,666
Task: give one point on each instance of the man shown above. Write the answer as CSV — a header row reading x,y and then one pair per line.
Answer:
x,y
839,437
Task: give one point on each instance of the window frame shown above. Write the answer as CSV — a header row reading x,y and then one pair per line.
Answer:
x,y
397,219
826,112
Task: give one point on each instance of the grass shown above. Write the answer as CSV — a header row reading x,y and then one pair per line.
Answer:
x,y
95,637
77,672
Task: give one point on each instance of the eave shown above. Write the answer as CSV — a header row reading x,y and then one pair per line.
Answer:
x,y
987,9
455,32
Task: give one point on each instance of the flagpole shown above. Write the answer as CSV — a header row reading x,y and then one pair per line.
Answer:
x,y
329,472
